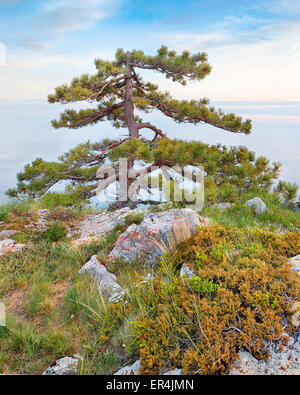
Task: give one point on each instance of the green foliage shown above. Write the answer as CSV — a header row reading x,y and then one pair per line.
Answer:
x,y
3,215
54,233
21,237
56,199
204,286
230,171
288,191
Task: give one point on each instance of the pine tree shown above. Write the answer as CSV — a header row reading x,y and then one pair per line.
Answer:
x,y
117,90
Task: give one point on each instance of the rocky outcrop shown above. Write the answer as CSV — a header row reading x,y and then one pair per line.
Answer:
x,y
9,245
107,281
257,205
158,233
62,367
97,225
280,362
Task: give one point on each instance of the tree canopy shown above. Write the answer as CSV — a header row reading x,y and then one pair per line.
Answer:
x,y
117,89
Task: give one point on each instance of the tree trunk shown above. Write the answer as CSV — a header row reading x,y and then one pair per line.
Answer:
x,y
128,105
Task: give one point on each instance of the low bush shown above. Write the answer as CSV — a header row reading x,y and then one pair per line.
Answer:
x,y
54,233
239,297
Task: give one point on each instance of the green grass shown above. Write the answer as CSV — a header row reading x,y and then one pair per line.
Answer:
x,y
241,216
60,312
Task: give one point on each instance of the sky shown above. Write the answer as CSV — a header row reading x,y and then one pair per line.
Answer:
x,y
253,46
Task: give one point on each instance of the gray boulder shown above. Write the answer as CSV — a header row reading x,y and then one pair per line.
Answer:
x,y
107,281
62,367
158,233
257,205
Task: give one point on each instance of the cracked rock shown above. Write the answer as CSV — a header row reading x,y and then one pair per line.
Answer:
x,y
107,281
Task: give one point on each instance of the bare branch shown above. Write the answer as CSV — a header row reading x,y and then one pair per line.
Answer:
x,y
152,127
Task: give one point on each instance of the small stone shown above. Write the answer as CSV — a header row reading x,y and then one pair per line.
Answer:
x,y
107,281
63,366
296,316
173,372
185,271
295,263
133,369
257,205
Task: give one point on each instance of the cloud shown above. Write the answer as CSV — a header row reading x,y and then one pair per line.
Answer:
x,y
287,7
33,75
32,43
63,16
261,64
49,21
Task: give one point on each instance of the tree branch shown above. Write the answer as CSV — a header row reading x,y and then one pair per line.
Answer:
x,y
152,127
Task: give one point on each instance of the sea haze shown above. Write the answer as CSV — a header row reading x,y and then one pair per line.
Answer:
x,y
26,134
